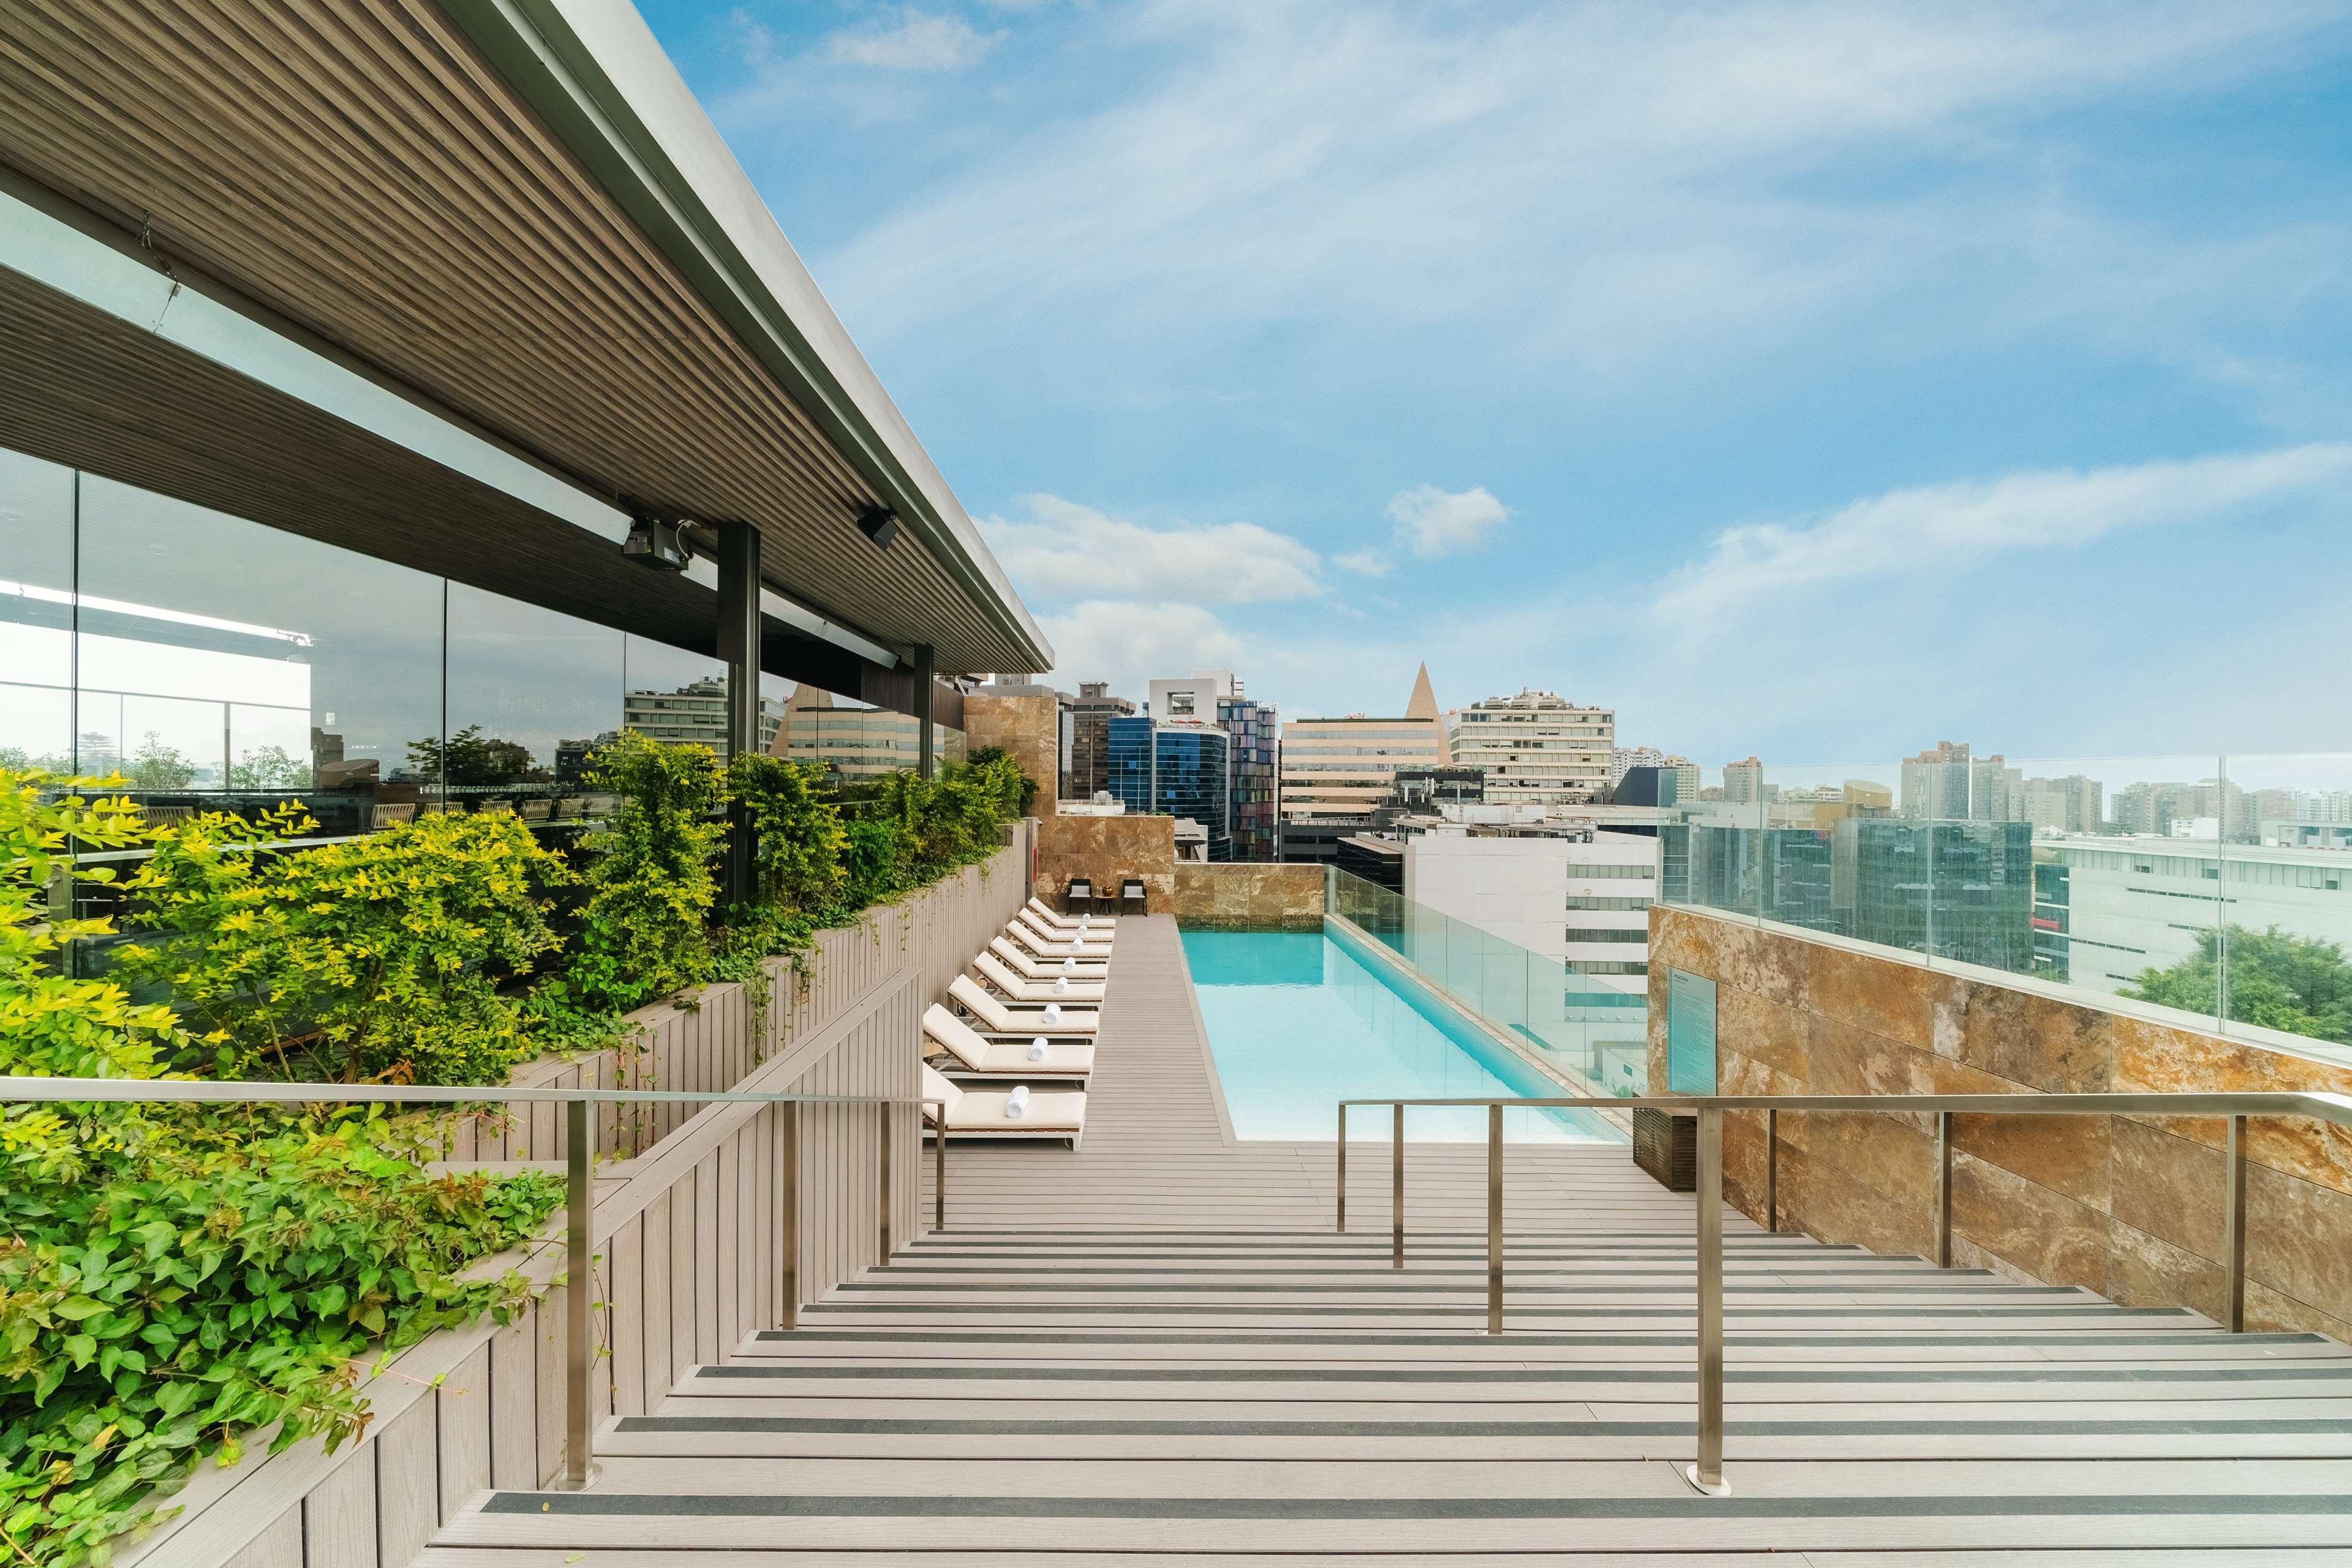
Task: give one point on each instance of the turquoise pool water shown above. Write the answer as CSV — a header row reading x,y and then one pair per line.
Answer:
x,y
1298,1022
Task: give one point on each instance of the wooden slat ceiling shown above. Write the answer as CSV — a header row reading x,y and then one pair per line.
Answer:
x,y
357,167
86,389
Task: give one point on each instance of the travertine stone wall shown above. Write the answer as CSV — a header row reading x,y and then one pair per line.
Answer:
x,y
1026,720
2126,1206
1241,896
1105,849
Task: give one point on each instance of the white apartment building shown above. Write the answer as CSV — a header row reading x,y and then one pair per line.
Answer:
x,y
1538,748
1193,700
2140,902
1340,768
1583,899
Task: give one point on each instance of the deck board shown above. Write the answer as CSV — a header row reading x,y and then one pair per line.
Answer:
x,y
1158,1349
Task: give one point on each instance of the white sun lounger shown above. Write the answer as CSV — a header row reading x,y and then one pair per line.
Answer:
x,y
992,970
1039,939
1028,966
1024,1021
1066,1062
1052,1113
1053,917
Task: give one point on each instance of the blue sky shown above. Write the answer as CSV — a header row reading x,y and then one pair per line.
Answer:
x,y
1811,380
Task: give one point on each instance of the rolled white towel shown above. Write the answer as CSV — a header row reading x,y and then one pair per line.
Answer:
x,y
1062,986
1037,1049
1053,1012
1069,966
1084,920
1016,1104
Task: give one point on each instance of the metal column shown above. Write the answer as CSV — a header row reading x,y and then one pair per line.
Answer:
x,y
1495,1219
579,1275
1943,1189
1706,1475
788,1210
739,645
926,705
1772,1171
1343,1166
1396,1197
2234,1231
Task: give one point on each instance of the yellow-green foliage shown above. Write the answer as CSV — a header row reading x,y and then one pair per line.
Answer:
x,y
174,1278
376,958
649,873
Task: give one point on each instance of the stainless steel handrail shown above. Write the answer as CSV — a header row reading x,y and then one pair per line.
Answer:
x,y
1707,1473
579,1258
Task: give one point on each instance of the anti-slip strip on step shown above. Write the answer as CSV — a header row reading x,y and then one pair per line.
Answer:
x,y
1096,1427
1402,1284
608,1505
1974,1279
1075,1340
1731,1310
2103,1371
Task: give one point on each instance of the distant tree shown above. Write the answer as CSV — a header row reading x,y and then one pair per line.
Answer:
x,y
472,758
157,766
270,767
2276,981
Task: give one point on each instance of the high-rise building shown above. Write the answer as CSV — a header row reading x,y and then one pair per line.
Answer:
x,y
1743,782
1337,770
1085,737
695,713
1936,784
2071,805
1193,700
1173,770
1253,733
1623,757
1995,790
1537,749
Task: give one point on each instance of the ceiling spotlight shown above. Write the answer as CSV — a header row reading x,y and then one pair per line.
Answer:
x,y
880,524
655,542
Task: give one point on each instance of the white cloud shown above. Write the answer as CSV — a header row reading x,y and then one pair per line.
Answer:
x,y
912,40
1062,547
1947,526
1430,522
1130,645
1607,180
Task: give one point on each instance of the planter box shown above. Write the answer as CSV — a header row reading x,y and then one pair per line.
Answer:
x,y
1666,1146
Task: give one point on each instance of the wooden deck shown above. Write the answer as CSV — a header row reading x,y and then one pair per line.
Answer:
x,y
1157,1348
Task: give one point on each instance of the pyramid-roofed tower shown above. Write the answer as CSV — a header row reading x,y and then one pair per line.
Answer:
x,y
1424,702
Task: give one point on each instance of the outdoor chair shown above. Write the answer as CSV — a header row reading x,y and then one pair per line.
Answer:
x,y
1057,1113
1130,896
1065,1061
1026,1023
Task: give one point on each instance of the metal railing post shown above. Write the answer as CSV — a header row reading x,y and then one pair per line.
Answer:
x,y
1706,1475
2234,1231
1396,1197
939,1173
1943,1189
1343,1167
1495,1219
884,1205
578,1286
1772,1172
788,1208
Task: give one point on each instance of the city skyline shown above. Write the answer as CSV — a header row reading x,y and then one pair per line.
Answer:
x,y
1790,412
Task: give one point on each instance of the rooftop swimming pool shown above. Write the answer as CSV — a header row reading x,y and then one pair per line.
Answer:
x,y
1298,1022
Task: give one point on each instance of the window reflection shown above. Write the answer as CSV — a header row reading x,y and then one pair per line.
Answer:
x,y
218,657
532,693
36,502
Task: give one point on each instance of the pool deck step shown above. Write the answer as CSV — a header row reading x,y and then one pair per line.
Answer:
x,y
1158,1351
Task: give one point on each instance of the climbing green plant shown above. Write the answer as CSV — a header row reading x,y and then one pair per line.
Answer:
x,y
173,1278
387,957
800,834
651,887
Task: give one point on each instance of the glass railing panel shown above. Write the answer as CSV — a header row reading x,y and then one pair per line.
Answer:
x,y
2283,853
1591,1030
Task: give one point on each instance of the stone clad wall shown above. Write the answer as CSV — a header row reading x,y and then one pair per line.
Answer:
x,y
2127,1206
1249,896
1106,849
1026,720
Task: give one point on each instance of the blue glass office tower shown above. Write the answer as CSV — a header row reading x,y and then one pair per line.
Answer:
x,y
1176,770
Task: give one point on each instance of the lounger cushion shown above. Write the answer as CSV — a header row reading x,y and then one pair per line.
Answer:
x,y
1041,940
1059,1111
1025,963
1053,917
992,1012
996,1058
992,970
